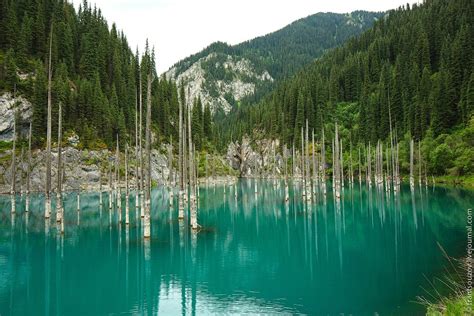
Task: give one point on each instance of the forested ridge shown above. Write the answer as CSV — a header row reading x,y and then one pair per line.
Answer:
x,y
414,67
280,53
95,75
283,52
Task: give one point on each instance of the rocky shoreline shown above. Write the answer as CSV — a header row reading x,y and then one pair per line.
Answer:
x,y
85,169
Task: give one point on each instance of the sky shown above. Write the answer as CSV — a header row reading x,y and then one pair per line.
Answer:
x,y
179,28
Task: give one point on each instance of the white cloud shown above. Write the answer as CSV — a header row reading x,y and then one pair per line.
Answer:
x,y
179,28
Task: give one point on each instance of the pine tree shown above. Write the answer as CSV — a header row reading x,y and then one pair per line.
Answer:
x,y
196,124
9,70
207,123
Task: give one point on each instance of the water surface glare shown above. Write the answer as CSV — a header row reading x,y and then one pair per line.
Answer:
x,y
367,253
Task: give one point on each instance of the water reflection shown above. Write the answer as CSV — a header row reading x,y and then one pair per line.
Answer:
x,y
256,253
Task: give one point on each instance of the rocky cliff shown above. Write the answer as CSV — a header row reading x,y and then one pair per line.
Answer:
x,y
220,80
258,159
23,107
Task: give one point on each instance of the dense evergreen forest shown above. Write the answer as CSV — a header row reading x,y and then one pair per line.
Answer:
x,y
413,68
96,74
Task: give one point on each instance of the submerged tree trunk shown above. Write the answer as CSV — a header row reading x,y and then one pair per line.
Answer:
x,y
412,179
47,211
110,188
142,206
170,175
137,178
118,194
181,161
13,166
307,165
323,163
28,173
193,209
127,190
146,228
419,163
360,169
59,206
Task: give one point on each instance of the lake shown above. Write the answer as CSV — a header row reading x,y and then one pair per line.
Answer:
x,y
369,252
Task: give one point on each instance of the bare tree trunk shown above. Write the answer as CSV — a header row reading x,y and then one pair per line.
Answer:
x,y
323,162
127,190
13,166
142,206
412,179
180,162
315,169
336,165
303,180
21,169
28,173
342,165
137,159
47,211
351,170
117,182
369,167
194,223
307,165
360,169
59,206
419,163
170,175
146,229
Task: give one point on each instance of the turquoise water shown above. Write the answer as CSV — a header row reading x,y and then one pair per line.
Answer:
x,y
368,254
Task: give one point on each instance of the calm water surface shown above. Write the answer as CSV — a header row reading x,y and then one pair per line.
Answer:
x,y
368,253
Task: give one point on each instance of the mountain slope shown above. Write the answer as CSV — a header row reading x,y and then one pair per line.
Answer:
x,y
224,76
413,69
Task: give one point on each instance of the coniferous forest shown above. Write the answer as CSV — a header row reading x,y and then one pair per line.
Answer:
x,y
96,75
414,67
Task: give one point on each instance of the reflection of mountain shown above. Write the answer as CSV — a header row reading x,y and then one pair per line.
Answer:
x,y
253,255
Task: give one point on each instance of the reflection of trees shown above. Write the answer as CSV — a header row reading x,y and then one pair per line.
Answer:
x,y
252,251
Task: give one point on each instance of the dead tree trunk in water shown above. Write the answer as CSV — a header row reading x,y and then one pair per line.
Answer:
x,y
47,211
419,163
302,163
13,166
194,223
127,190
146,229
181,161
170,175
412,179
307,166
28,173
323,162
315,169
137,159
118,194
21,169
142,206
360,169
59,207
